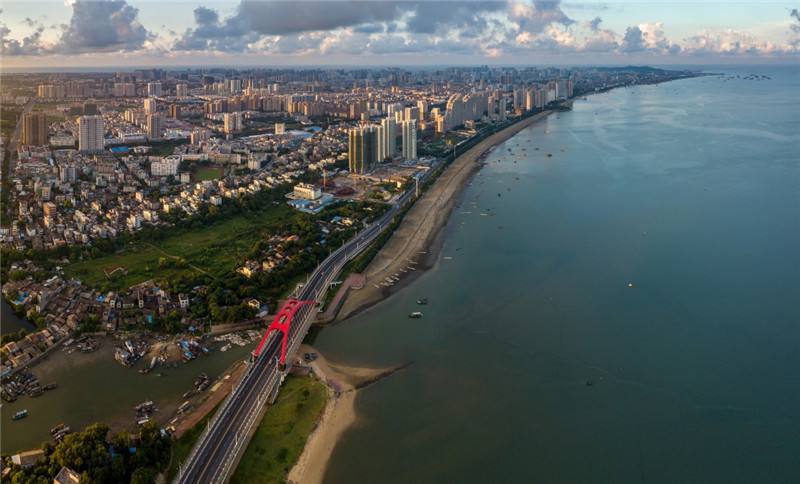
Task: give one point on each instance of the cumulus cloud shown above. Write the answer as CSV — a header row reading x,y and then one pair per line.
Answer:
x,y
429,17
29,45
254,19
474,23
599,39
536,17
95,26
794,15
379,27
284,17
102,26
648,37
731,42
633,41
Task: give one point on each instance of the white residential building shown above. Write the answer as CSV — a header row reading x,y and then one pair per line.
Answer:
x,y
90,134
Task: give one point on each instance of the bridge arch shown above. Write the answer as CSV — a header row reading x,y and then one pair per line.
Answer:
x,y
282,323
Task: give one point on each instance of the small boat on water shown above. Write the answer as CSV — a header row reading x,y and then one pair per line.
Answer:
x,y
415,315
422,301
21,414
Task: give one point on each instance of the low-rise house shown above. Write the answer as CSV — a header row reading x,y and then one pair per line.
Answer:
x,y
27,458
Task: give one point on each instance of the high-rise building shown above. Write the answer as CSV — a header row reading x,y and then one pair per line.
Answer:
x,y
154,89
34,129
124,89
150,105
232,122
530,101
51,91
91,130
409,130
234,86
199,135
362,149
181,90
155,126
562,92
411,113
174,111
422,105
67,173
387,139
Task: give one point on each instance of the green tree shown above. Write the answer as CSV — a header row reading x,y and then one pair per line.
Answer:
x,y
143,475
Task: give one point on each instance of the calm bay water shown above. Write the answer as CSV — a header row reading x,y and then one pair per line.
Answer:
x,y
688,190
95,388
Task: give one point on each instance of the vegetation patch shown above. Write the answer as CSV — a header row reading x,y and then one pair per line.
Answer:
x,y
99,457
282,433
212,250
204,173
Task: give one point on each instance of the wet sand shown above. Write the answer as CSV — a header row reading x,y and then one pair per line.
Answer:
x,y
343,383
412,249
414,246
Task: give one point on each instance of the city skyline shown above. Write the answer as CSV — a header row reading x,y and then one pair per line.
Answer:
x,y
81,34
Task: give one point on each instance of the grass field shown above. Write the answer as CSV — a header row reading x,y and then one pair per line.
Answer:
x,y
203,173
282,434
213,250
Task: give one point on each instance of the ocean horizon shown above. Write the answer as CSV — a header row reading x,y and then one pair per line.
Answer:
x,y
615,301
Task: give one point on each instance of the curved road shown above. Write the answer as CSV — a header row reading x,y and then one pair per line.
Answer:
x,y
213,457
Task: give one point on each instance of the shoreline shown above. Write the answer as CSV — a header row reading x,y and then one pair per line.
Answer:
x,y
422,230
358,301
343,384
419,238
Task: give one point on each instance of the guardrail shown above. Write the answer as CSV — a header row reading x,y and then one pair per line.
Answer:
x,y
275,380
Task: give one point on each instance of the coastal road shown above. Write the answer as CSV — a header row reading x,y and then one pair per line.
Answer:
x,y
214,456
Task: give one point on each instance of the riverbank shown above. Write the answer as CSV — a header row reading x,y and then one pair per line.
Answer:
x,y
343,383
414,246
92,387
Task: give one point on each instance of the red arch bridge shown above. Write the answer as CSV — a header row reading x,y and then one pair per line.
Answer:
x,y
282,323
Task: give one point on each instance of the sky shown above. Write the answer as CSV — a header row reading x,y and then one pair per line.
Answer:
x,y
95,33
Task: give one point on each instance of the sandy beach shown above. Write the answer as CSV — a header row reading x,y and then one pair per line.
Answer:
x,y
414,246
343,383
